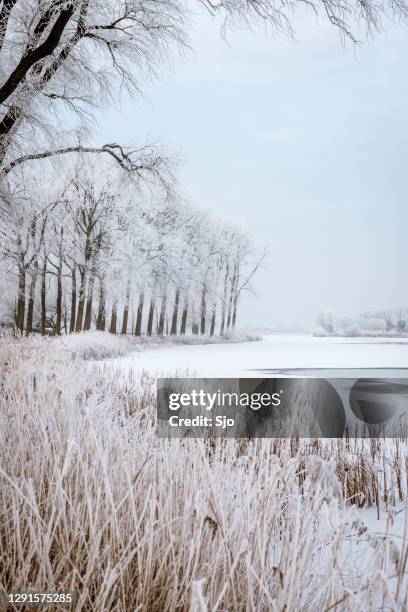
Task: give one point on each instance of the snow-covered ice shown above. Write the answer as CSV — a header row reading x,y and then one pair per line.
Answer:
x,y
291,355
283,354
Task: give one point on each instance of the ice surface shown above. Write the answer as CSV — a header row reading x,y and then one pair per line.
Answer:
x,y
280,354
295,355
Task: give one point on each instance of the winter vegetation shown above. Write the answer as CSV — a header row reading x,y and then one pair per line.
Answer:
x,y
95,255
97,345
61,60
101,253
389,323
91,501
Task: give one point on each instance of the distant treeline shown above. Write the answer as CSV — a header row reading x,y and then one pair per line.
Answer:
x,y
378,322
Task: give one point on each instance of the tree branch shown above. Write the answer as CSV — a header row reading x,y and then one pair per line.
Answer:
x,y
133,162
32,57
253,272
5,11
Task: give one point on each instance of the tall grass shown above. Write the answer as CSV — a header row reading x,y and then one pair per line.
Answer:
x,y
92,502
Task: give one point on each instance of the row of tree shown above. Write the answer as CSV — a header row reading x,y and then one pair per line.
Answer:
x,y
96,255
393,320
89,255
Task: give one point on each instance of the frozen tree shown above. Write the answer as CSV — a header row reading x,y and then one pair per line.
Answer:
x,y
401,325
327,321
388,317
98,255
74,55
59,55
23,239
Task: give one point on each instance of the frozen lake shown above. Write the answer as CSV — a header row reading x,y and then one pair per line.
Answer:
x,y
282,355
298,355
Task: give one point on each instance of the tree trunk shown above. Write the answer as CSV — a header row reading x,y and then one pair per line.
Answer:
x,y
139,318
31,299
126,309
162,317
194,325
174,319
233,295
114,317
125,319
234,315
101,319
81,301
73,299
59,300
21,296
150,319
213,318
59,308
88,310
230,306
43,315
224,300
184,318
203,309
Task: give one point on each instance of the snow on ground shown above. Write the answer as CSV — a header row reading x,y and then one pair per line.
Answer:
x,y
291,355
98,345
280,354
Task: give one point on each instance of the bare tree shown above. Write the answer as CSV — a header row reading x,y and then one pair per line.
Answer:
x,y
95,242
76,54
55,55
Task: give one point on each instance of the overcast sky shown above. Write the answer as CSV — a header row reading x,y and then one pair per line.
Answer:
x,y
307,144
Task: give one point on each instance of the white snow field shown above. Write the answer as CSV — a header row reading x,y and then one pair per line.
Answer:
x,y
281,354
302,355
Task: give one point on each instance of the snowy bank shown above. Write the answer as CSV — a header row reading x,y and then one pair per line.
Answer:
x,y
359,333
96,345
119,515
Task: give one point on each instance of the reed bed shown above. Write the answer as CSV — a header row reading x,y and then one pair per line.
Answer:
x,y
92,502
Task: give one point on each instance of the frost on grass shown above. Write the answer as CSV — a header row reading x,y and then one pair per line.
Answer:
x,y
92,501
103,345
